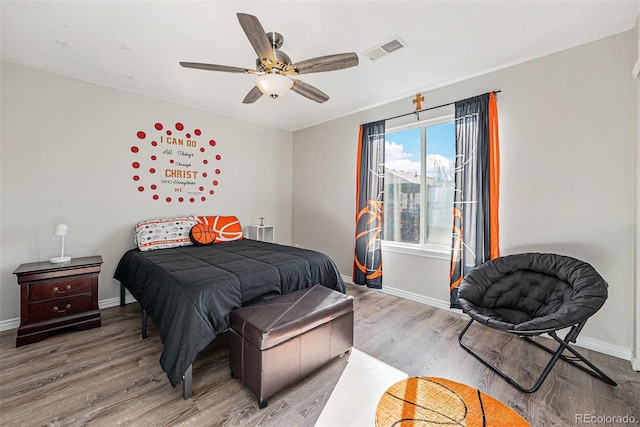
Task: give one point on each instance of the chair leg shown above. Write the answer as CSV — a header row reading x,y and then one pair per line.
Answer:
x,y
557,354
507,378
590,369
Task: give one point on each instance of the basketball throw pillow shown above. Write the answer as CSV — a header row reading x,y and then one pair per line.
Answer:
x,y
227,228
202,234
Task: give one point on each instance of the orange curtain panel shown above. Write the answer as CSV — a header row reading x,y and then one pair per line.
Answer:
x,y
367,261
477,181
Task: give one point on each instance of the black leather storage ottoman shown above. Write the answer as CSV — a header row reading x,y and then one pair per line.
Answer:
x,y
277,342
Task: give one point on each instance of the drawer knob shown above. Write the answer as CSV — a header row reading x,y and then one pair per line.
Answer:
x,y
57,310
57,290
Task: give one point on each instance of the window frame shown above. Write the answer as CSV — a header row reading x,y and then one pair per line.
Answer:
x,y
423,248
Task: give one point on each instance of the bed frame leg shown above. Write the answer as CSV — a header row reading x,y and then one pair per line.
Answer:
x,y
144,324
187,383
121,295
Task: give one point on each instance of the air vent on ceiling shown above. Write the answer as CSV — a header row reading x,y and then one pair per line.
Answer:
x,y
385,48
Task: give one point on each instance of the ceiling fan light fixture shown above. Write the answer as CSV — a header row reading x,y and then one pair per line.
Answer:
x,y
273,66
273,84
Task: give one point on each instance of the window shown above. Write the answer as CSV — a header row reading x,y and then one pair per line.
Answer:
x,y
418,185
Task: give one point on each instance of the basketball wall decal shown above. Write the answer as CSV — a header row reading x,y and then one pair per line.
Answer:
x,y
175,163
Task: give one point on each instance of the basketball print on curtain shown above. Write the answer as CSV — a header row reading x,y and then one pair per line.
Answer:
x,y
173,163
367,262
476,194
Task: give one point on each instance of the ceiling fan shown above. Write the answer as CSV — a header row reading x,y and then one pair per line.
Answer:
x,y
274,67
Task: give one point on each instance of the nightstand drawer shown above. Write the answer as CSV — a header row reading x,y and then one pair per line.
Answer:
x,y
59,288
58,308
55,296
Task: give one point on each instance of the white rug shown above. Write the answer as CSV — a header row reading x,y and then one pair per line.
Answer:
x,y
356,395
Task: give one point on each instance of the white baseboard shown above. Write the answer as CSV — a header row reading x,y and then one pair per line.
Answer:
x,y
6,325
588,343
114,302
433,302
346,279
635,364
606,348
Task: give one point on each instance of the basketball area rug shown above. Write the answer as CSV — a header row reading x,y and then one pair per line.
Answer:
x,y
430,401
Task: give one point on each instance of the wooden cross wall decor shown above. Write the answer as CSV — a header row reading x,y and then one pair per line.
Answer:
x,y
418,100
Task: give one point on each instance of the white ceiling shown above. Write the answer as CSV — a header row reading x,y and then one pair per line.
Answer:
x,y
136,46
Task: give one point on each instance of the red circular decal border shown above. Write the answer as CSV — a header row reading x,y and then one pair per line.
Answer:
x,y
172,163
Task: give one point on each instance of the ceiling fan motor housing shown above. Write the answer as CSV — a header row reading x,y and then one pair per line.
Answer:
x,y
274,67
276,39
282,59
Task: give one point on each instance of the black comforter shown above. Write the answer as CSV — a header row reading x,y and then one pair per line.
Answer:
x,y
189,291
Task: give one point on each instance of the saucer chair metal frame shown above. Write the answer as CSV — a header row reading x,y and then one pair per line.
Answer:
x,y
533,294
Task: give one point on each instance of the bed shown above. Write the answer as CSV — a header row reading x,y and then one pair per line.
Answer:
x,y
189,291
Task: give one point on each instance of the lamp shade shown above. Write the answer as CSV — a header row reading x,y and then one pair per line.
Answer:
x,y
60,230
274,85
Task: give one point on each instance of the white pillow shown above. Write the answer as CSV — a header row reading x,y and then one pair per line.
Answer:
x,y
164,233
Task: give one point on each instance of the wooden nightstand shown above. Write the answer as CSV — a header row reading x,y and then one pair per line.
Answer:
x,y
56,296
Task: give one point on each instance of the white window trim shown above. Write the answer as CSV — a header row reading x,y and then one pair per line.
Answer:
x,y
421,123
429,250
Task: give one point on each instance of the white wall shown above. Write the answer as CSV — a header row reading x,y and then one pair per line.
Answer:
x,y
568,175
65,157
567,184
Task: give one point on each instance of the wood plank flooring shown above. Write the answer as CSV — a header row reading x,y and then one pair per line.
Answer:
x,y
109,376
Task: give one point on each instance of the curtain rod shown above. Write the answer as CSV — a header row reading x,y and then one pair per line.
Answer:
x,y
430,108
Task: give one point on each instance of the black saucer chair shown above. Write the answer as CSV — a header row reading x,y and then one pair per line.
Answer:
x,y
533,294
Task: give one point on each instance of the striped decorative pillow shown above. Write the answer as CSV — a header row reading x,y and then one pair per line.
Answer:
x,y
164,233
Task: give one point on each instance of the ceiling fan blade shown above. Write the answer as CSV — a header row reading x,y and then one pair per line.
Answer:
x,y
309,91
326,63
253,95
257,36
214,67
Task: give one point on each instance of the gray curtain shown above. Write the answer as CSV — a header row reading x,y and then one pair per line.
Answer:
x,y
367,261
475,197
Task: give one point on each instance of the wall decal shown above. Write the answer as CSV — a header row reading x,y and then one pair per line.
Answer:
x,y
173,164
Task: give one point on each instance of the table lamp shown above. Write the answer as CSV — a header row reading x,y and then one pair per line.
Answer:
x,y
60,230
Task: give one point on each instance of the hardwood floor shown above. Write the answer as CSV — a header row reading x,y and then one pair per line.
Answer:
x,y
109,376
